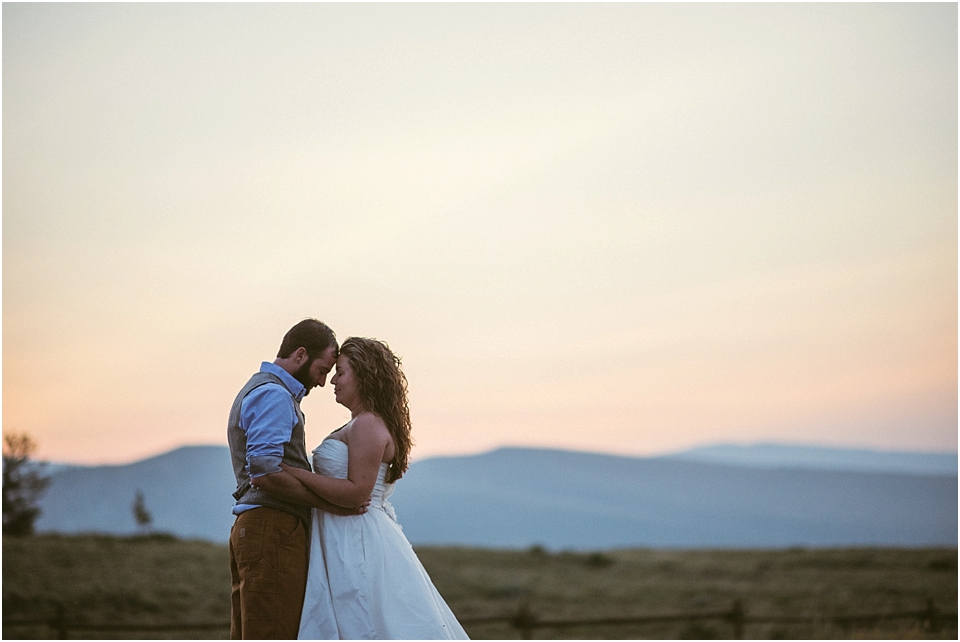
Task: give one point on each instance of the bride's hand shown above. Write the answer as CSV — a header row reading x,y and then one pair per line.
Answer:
x,y
348,512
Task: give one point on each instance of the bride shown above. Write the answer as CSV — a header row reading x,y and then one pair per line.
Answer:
x,y
364,579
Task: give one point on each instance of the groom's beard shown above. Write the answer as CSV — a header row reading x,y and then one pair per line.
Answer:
x,y
302,375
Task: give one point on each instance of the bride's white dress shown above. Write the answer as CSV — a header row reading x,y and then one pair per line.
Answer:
x,y
365,581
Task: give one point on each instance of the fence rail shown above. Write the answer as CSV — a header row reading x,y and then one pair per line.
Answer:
x,y
527,622
63,625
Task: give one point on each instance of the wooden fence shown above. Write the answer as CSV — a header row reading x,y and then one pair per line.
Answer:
x,y
526,622
62,625
736,617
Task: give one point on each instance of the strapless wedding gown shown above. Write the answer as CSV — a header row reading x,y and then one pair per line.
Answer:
x,y
365,582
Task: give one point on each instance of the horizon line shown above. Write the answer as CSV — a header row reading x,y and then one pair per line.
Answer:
x,y
671,453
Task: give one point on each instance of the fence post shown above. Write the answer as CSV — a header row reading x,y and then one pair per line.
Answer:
x,y
736,617
59,622
525,621
931,617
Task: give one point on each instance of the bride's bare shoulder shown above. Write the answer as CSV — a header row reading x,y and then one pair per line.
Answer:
x,y
369,425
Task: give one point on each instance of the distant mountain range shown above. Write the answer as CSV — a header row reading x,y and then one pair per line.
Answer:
x,y
187,491
772,455
721,496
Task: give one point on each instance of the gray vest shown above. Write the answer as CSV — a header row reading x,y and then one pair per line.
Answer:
x,y
294,453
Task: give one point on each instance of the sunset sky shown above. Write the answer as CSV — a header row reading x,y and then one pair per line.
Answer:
x,y
623,228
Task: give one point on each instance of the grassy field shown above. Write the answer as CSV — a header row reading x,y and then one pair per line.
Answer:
x,y
158,579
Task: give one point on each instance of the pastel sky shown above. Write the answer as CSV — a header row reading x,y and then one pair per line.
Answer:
x,y
624,228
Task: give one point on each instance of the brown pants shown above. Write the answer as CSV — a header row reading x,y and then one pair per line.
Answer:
x,y
268,569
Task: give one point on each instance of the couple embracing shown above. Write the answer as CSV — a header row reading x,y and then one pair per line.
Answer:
x,y
316,551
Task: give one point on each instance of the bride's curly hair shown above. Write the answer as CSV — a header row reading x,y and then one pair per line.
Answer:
x,y
382,388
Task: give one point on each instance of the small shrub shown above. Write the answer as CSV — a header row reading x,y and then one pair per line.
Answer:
x,y
153,538
942,565
598,560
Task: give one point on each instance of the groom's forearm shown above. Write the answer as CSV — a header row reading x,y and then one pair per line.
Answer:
x,y
285,486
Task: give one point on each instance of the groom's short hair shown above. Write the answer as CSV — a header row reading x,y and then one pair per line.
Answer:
x,y
315,336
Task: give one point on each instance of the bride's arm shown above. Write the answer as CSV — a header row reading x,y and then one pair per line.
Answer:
x,y
367,442
288,487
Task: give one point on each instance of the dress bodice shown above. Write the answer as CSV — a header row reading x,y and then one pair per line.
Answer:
x,y
330,458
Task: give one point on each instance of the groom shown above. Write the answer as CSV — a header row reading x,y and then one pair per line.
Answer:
x,y
268,541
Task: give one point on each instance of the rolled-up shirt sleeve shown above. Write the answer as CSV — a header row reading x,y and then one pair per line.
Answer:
x,y
268,417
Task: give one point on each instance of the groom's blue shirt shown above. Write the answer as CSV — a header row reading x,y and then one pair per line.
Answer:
x,y
268,416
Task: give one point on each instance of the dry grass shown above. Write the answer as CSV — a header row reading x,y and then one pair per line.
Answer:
x,y
772,584
161,580
112,580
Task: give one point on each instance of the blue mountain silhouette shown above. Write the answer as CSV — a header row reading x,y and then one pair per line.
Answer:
x,y
517,497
